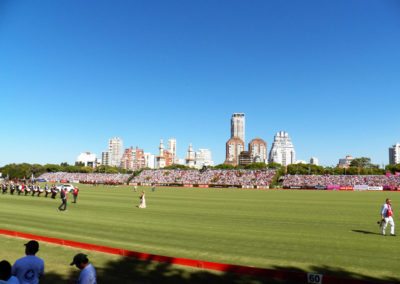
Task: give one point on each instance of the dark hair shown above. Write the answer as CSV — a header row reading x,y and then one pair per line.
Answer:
x,y
5,270
31,247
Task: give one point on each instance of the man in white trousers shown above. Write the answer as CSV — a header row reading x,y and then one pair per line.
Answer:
x,y
387,217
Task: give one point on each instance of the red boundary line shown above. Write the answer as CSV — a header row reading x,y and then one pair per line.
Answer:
x,y
285,275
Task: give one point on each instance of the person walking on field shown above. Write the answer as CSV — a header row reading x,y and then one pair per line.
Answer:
x,y
387,217
88,272
29,268
75,192
63,195
142,200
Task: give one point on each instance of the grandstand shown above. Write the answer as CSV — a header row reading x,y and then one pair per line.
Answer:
x,y
347,182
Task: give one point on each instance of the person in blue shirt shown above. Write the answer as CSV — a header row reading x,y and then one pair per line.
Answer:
x,y
88,272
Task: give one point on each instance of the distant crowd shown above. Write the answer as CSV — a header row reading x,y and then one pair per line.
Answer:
x,y
87,178
237,178
223,178
312,181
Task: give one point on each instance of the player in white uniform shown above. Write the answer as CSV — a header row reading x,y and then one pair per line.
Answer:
x,y
387,217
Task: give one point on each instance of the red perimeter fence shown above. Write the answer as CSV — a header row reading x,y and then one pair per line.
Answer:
x,y
283,275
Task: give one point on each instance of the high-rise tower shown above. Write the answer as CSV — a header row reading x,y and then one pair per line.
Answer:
x,y
115,150
238,126
282,150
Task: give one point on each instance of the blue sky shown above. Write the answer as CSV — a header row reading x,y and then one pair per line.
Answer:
x,y
75,73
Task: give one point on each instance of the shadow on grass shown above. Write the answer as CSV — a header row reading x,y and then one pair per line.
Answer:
x,y
365,232
131,271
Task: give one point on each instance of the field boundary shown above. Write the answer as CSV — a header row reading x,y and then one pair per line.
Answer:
x,y
283,275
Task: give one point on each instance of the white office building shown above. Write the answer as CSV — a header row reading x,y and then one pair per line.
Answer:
x,y
149,160
203,158
394,154
115,150
282,150
87,159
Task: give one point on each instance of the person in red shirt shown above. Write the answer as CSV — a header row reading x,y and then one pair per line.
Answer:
x,y
75,192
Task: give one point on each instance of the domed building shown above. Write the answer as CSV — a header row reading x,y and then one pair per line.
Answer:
x,y
234,147
258,150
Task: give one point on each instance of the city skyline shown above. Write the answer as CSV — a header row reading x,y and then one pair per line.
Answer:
x,y
74,74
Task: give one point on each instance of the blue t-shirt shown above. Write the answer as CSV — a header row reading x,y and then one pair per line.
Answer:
x,y
28,269
88,275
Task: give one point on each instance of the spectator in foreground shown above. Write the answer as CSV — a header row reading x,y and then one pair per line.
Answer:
x,y
5,273
29,268
88,272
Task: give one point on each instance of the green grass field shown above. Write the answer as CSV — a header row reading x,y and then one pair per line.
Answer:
x,y
328,232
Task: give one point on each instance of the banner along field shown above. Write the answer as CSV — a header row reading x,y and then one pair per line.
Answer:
x,y
328,232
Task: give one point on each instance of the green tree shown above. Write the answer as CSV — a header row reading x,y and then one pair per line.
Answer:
x,y
224,167
256,166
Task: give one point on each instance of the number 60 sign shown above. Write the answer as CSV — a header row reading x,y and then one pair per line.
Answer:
x,y
314,278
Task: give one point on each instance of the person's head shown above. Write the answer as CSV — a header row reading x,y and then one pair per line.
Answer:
x,y
5,270
31,247
388,201
80,260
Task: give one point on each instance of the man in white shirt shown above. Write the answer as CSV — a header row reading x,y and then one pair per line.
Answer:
x,y
88,272
387,217
29,268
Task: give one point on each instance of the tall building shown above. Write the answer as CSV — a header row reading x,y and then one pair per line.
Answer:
x,y
394,154
172,149
160,159
164,158
133,159
258,151
234,147
105,158
238,126
282,150
190,160
139,160
115,150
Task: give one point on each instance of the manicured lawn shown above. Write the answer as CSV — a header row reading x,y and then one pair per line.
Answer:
x,y
329,232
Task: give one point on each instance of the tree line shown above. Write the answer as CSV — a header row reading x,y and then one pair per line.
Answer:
x,y
25,170
359,166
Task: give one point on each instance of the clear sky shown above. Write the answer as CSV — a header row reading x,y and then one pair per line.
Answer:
x,y
74,74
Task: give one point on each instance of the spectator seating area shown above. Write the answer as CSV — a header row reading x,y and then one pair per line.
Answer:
x,y
91,178
226,178
315,181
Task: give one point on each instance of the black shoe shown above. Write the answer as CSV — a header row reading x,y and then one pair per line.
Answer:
x,y
393,235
